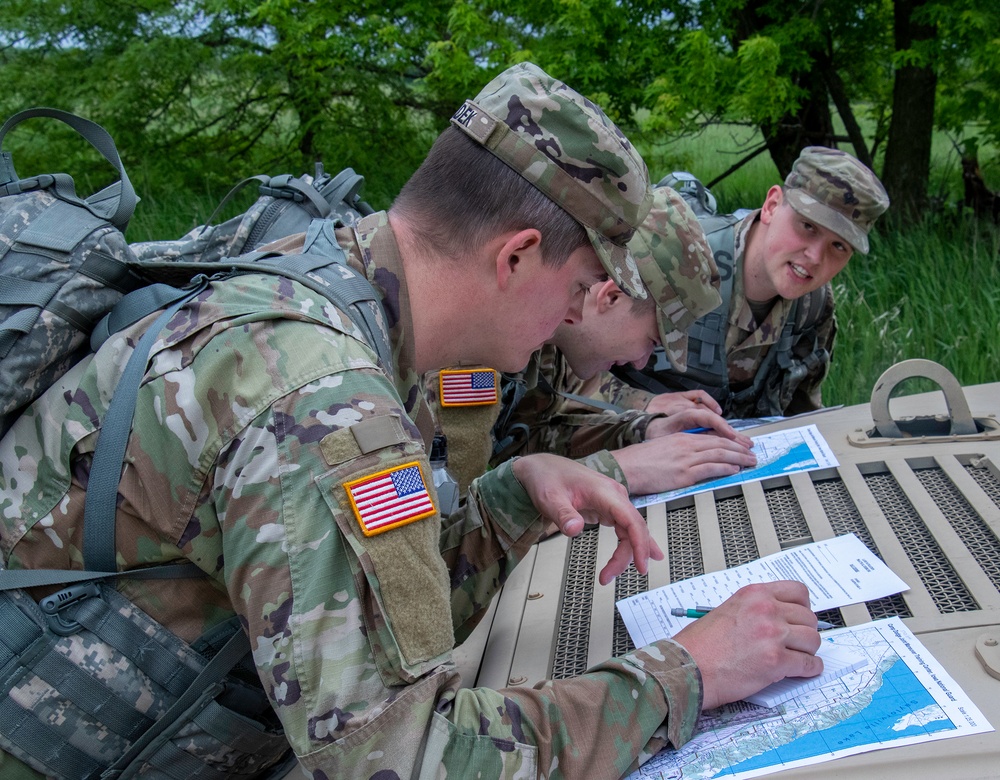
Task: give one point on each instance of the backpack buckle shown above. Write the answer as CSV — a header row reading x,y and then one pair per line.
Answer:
x,y
53,606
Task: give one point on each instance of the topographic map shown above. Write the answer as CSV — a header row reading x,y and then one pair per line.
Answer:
x,y
780,453
902,696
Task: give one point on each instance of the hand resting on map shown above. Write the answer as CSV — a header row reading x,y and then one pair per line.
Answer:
x,y
680,460
759,635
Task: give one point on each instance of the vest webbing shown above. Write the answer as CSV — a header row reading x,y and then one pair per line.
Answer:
x,y
707,364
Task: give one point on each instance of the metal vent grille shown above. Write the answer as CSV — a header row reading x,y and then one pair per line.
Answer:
x,y
978,537
738,543
987,480
789,523
845,518
684,544
628,583
569,658
937,574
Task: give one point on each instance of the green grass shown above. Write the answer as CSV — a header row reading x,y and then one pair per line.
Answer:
x,y
927,292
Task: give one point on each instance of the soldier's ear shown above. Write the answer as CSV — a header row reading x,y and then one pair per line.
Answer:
x,y
775,197
607,294
517,256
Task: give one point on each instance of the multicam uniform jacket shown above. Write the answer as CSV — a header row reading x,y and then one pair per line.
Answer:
x,y
747,345
259,404
545,421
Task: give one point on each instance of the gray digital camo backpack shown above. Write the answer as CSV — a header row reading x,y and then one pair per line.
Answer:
x,y
64,263
287,205
112,693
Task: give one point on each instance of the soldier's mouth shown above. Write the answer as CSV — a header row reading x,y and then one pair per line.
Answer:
x,y
799,271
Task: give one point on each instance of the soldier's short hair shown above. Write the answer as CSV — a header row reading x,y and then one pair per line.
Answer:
x,y
462,196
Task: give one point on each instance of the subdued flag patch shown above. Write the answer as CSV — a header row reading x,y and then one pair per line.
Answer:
x,y
390,498
468,387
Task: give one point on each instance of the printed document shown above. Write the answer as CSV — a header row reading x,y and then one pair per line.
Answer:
x,y
900,696
778,454
837,571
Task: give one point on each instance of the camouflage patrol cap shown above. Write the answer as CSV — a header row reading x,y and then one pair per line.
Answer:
x,y
835,190
566,147
677,267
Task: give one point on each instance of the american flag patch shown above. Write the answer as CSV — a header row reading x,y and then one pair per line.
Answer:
x,y
470,387
390,499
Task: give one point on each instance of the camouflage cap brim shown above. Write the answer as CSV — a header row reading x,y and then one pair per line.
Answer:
x,y
838,192
677,268
568,149
806,205
619,263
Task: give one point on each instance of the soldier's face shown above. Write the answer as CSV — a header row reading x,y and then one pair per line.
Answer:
x,y
796,257
613,332
553,297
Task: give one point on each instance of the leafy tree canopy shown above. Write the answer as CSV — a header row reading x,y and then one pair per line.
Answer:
x,y
200,94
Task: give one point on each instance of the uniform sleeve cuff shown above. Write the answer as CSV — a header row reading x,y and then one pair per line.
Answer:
x,y
499,488
679,677
603,462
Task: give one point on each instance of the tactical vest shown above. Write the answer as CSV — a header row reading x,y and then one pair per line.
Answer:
x,y
779,373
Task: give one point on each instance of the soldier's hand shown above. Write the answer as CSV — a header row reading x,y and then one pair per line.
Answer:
x,y
570,495
680,460
761,634
695,418
672,403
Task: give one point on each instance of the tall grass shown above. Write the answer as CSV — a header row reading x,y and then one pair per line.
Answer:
x,y
931,291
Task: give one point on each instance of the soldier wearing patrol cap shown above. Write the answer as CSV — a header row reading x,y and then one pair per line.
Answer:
x,y
767,350
555,413
272,450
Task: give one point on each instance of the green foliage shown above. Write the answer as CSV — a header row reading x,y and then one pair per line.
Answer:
x,y
763,93
202,92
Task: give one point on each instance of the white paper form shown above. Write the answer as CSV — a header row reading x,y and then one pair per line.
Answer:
x,y
838,660
836,571
778,454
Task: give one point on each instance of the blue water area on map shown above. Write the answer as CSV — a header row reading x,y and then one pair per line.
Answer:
x,y
799,456
900,694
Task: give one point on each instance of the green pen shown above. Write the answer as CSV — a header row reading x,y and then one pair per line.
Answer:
x,y
698,611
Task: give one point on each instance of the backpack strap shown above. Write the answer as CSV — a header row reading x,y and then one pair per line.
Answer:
x,y
116,203
323,268
101,501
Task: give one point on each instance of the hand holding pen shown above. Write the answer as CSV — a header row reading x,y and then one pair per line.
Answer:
x,y
699,611
762,633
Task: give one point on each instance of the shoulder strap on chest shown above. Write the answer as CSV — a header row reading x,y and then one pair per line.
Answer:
x,y
706,360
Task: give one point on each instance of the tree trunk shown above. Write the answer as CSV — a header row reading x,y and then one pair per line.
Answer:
x,y
908,150
839,94
812,124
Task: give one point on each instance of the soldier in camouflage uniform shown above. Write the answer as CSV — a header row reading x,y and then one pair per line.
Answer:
x,y
784,256
271,450
555,415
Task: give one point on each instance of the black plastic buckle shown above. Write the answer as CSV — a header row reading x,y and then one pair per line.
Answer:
x,y
53,606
